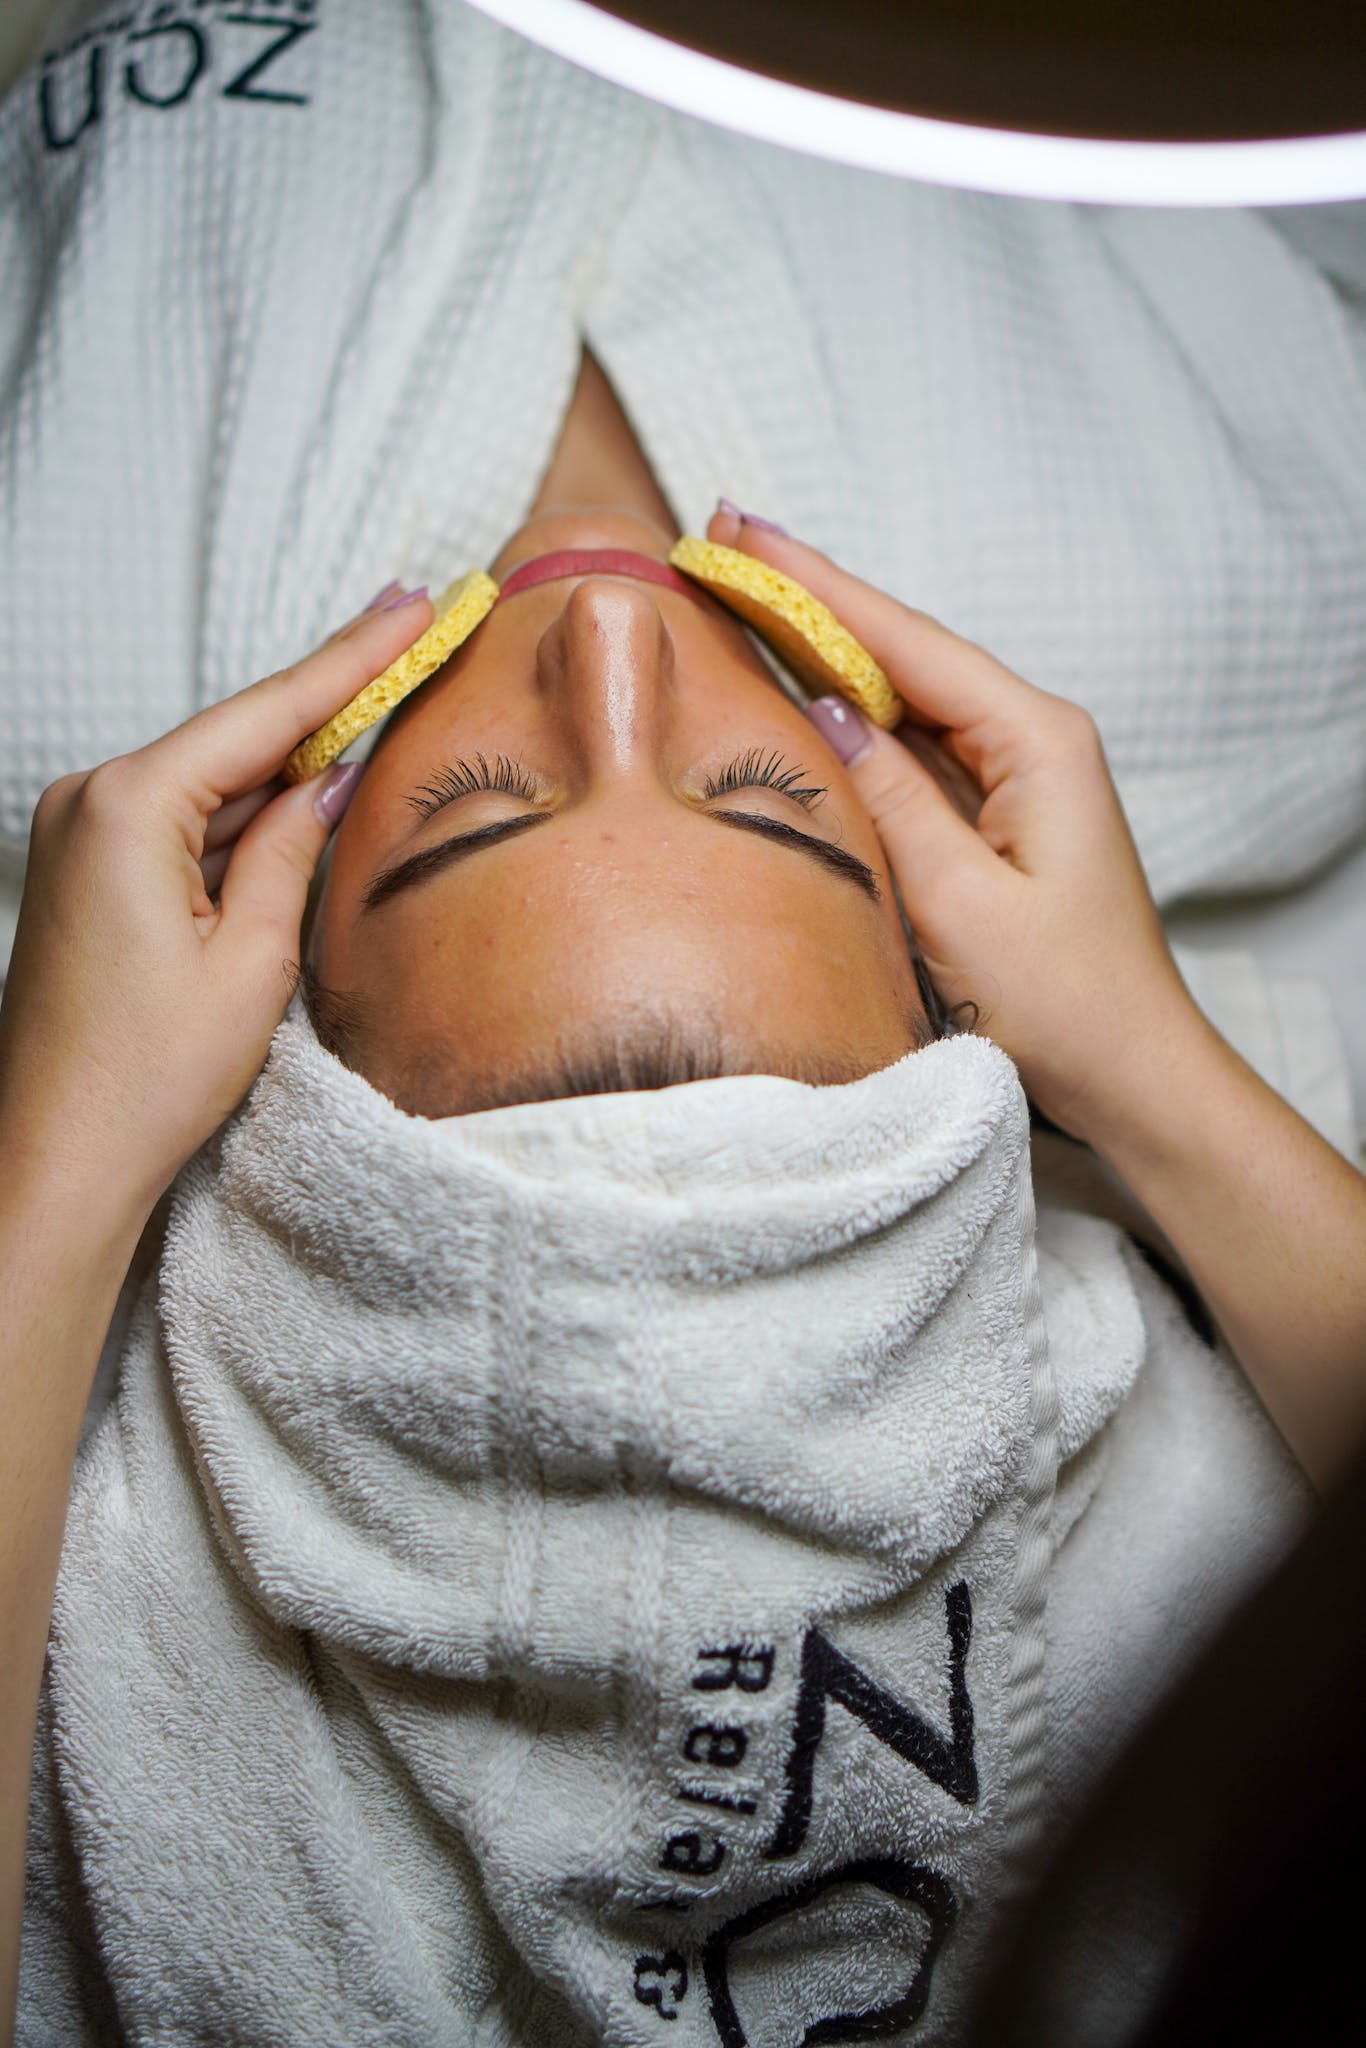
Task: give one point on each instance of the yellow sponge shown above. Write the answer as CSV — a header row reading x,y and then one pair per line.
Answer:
x,y
459,609
799,628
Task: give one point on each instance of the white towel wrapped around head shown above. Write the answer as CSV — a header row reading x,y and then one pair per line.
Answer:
x,y
557,1570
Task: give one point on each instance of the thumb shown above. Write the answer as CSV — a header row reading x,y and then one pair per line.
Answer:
x,y
265,887
925,836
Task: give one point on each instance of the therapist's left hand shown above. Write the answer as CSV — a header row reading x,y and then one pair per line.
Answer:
x,y
137,1011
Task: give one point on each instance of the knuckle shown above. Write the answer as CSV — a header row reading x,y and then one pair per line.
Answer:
x,y
75,802
887,794
54,800
280,865
1078,724
915,617
105,790
299,859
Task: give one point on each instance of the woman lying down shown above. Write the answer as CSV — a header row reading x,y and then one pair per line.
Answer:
x,y
619,1522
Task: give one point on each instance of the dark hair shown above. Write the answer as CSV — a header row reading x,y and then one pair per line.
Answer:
x,y
942,1023
656,1054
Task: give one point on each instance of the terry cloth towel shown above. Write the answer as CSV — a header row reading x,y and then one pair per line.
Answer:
x,y
563,1570
291,306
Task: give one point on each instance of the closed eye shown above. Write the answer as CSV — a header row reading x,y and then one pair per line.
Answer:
x,y
755,771
468,777
471,774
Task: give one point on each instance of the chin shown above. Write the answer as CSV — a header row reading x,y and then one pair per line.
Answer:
x,y
584,526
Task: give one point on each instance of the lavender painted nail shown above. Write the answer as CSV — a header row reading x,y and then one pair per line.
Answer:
x,y
751,518
336,790
842,727
404,597
377,601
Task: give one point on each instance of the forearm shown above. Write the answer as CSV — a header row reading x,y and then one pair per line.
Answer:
x,y
64,1252
1268,1218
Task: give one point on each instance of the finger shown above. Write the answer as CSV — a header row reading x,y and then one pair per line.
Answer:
x,y
234,816
264,887
961,788
947,681
242,742
226,826
923,832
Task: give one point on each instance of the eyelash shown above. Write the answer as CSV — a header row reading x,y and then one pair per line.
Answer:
x,y
748,771
464,778
753,771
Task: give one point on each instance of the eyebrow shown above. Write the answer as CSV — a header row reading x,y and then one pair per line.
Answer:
x,y
420,867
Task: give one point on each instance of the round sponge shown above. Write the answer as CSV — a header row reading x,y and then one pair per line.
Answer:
x,y
798,627
459,609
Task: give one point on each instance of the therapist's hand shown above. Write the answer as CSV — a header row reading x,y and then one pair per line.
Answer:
x,y
1010,848
137,1012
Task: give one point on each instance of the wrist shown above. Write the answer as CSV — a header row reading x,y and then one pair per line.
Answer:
x,y
1157,1088
58,1192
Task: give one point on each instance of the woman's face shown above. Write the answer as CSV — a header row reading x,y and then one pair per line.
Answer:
x,y
625,898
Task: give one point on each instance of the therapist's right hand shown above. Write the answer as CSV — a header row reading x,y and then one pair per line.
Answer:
x,y
1010,848
138,1010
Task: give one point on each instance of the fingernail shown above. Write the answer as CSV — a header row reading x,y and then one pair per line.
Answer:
x,y
842,727
380,595
404,597
335,790
751,518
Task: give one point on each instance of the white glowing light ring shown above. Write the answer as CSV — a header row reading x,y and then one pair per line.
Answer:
x,y
1293,172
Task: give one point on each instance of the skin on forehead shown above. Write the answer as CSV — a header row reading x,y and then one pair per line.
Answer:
x,y
619,698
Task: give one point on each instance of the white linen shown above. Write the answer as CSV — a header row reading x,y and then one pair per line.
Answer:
x,y
1307,946
476,1491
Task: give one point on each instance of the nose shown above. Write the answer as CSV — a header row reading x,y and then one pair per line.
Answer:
x,y
607,666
